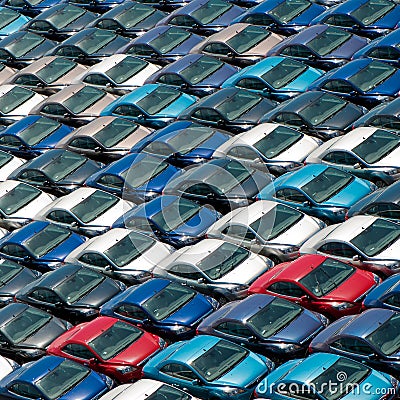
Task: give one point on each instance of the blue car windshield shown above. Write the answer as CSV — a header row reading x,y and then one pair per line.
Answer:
x,y
210,11
289,9
185,140
158,99
247,38
17,198
386,337
126,68
7,16
38,131
83,99
283,73
372,10
65,16
328,40
55,69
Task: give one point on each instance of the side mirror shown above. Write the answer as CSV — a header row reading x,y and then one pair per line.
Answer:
x,y
306,204
93,360
46,183
109,85
211,195
230,54
357,257
97,149
67,115
305,298
357,166
201,280
196,382
74,224
40,85
59,304
253,339
27,258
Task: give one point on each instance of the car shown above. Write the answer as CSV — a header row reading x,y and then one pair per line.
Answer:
x,y
104,139
172,219
239,44
319,114
123,254
19,203
135,177
47,75
89,46
280,148
384,48
203,17
366,241
162,44
370,18
14,277
97,6
214,267
183,143
117,74
32,136
8,164
161,306
16,102
130,18
386,295
8,365
71,292
317,376
151,105
53,377
321,46
232,109
278,78
285,17
57,171
319,283
86,211
109,346
22,48
75,105
209,366
6,73
195,74
267,325
370,337
26,331
225,184
319,190
382,203
369,153
30,8
60,21
266,227
366,82
11,21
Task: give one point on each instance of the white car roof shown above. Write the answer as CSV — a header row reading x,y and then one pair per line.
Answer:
x,y
5,367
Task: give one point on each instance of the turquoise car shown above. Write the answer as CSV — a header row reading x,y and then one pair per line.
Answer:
x,y
11,21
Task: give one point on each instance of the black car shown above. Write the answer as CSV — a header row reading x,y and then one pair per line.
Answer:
x,y
233,109
26,331
71,292
319,114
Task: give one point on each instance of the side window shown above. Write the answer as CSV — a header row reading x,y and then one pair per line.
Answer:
x,y
338,249
385,122
296,51
352,345
32,176
96,79
40,26
25,390
178,371
341,157
54,109
287,289
85,143
217,48
94,259
288,119
27,80
171,79
258,19
291,195
239,231
61,216
111,181
199,189
385,210
128,111
69,51
338,86
140,50
244,153
393,300
15,3
14,250
77,350
45,295
185,271
131,311
340,20
182,20
108,24
234,329
251,83
158,148
384,53
10,141
206,114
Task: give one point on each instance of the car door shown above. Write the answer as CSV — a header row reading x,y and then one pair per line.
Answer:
x,y
243,236
188,275
291,291
357,349
23,390
296,199
83,355
134,314
64,219
49,301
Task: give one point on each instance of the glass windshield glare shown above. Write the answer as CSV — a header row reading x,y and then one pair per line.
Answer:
x,y
96,40
55,69
17,198
7,16
15,97
63,165
158,99
210,11
83,99
285,72
289,9
387,337
329,40
201,69
132,16
188,139
114,132
372,75
39,130
372,10
126,69
8,270
170,39
238,104
247,38
66,16
24,44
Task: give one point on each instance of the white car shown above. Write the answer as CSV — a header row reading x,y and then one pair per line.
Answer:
x,y
369,242
8,164
279,147
118,74
147,389
272,229
214,267
7,366
20,202
87,211
123,254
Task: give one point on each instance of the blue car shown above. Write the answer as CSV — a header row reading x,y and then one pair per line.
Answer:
x,y
166,308
285,17
318,190
385,295
31,8
11,21
53,377
39,245
136,177
151,105
278,78
210,368
183,143
324,376
369,18
32,136
174,220
366,82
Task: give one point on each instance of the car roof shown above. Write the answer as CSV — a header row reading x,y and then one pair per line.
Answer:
x,y
300,177
10,312
24,233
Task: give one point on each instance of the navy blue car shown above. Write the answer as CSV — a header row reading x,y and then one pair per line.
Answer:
x,y
385,295
31,8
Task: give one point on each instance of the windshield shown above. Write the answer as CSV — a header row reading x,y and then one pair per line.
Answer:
x,y
78,285
289,9
126,68
158,99
326,277
39,130
114,132
372,75
210,11
377,237
372,10
14,98
188,139
168,300
7,16
377,146
129,248
238,104
5,158
55,69
170,39
284,73
201,69
219,359
24,44
63,164
329,40
247,38
8,270
165,392
387,337
115,339
46,240
25,324
65,16
83,99
17,198
274,317
96,40
327,184
62,379
276,221
131,16
223,260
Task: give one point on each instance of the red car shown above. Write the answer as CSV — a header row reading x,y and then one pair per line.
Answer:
x,y
319,283
110,346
